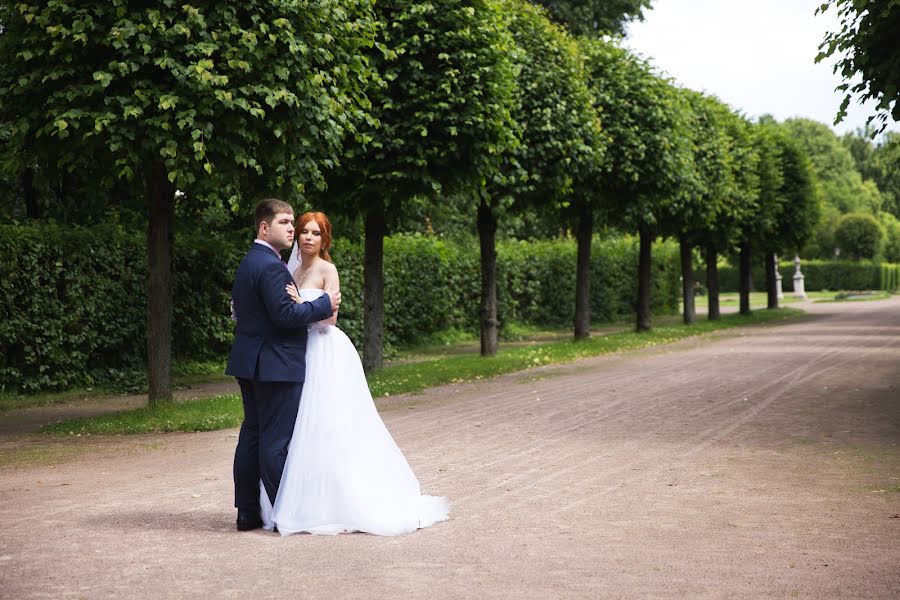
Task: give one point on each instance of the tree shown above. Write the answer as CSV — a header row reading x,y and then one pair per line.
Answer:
x,y
886,171
440,121
593,17
859,144
558,156
838,183
867,48
692,212
859,236
879,163
748,214
211,98
795,205
737,186
834,166
758,230
646,154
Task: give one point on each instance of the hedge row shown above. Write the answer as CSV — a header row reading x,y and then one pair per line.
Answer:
x,y
73,303
433,286
817,275
73,299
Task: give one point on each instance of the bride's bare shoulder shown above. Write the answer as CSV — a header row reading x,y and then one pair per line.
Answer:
x,y
329,268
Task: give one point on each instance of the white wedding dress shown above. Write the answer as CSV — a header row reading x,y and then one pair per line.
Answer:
x,y
343,471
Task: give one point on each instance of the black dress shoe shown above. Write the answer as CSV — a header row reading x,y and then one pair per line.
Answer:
x,y
248,522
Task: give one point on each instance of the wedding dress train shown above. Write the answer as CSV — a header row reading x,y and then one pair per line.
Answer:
x,y
343,471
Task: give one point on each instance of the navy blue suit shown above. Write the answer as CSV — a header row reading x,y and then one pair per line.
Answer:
x,y
268,358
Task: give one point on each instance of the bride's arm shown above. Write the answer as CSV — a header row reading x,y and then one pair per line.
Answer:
x,y
332,286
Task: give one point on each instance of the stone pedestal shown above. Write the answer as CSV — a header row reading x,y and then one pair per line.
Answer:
x,y
799,292
778,278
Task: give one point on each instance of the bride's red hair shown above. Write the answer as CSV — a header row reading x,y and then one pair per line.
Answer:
x,y
324,226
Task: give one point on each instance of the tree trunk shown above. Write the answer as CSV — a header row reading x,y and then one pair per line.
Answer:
x,y
771,289
643,299
712,282
583,272
745,278
160,242
487,233
687,281
373,287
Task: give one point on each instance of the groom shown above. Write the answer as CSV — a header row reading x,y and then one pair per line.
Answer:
x,y
268,358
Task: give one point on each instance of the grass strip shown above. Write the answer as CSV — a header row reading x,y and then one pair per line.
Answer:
x,y
207,414
225,411
856,297
184,374
414,377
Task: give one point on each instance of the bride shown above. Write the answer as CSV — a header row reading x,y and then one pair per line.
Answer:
x,y
343,472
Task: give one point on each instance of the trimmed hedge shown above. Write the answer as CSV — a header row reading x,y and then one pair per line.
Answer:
x,y
68,298
429,286
536,280
817,275
433,286
890,277
73,299
73,303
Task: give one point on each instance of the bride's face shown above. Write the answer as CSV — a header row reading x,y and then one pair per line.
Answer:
x,y
310,238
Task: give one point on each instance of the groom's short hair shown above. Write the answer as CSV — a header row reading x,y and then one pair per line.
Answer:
x,y
268,208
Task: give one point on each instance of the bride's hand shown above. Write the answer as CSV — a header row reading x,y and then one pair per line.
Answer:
x,y
291,289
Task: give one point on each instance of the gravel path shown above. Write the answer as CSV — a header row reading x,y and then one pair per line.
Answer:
x,y
761,462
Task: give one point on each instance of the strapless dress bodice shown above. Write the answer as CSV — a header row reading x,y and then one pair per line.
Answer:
x,y
309,294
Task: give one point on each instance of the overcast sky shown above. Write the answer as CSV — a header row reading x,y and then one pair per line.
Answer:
x,y
758,56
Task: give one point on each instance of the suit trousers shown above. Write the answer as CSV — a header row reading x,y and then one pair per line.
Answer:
x,y
270,411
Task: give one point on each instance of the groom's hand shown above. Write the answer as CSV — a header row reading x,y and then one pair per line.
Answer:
x,y
335,301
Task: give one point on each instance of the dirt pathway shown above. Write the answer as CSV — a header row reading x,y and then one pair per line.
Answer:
x,y
759,464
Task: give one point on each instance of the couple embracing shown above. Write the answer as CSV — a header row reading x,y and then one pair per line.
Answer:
x,y
313,455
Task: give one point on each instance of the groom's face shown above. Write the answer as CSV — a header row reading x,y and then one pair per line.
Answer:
x,y
280,234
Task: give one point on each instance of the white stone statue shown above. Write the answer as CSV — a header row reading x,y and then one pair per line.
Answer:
x,y
778,278
799,292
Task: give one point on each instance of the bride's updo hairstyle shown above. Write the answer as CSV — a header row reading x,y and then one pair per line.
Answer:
x,y
324,227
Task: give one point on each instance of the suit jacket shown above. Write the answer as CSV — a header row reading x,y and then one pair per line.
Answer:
x,y
270,340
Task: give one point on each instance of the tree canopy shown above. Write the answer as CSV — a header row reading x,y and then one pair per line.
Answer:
x,y
648,153
560,151
840,183
439,120
216,100
867,48
441,115
560,140
257,95
592,17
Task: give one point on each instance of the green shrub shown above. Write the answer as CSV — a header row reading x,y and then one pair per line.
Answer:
x,y
73,303
818,275
891,237
890,277
840,275
203,274
432,286
536,280
858,235
73,299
